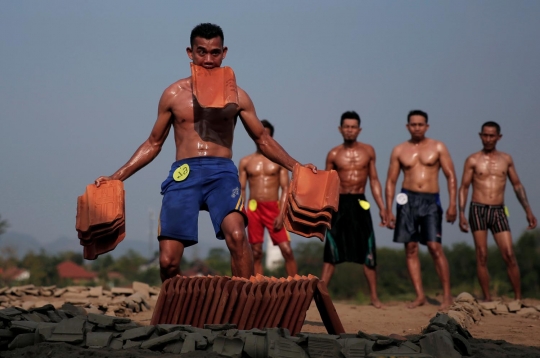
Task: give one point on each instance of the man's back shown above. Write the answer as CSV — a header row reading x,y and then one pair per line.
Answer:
x,y
489,176
420,163
352,164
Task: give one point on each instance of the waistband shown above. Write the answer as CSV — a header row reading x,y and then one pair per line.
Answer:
x,y
501,206
203,161
420,195
352,196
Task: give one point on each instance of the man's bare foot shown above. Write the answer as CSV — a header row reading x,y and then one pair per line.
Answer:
x,y
376,303
447,302
417,303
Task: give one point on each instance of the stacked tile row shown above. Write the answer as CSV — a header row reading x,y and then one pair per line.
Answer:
x,y
259,302
100,222
73,331
311,200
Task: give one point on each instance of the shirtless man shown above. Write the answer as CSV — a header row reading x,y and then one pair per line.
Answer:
x,y
419,212
351,238
206,179
488,170
265,178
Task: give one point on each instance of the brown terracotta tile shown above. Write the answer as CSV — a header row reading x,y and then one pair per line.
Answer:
x,y
256,313
277,312
307,221
310,290
214,88
173,295
205,281
187,300
289,312
225,294
158,309
179,293
264,308
169,296
215,300
247,309
194,300
315,192
327,310
233,298
299,304
241,303
273,290
303,230
208,300
319,215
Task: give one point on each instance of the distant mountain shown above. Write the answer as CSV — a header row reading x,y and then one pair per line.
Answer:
x,y
23,243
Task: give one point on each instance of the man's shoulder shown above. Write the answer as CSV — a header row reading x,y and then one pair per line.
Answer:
x,y
366,147
335,150
183,84
246,159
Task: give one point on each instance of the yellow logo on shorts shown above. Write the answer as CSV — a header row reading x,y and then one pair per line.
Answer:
x,y
364,204
252,205
181,173
506,211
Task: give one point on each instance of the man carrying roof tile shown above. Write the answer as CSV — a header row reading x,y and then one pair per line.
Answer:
x,y
264,210
202,110
351,238
487,171
419,212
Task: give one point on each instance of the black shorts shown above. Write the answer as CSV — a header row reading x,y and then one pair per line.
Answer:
x,y
419,219
483,217
351,238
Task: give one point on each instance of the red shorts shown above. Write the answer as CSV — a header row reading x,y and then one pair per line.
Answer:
x,y
263,217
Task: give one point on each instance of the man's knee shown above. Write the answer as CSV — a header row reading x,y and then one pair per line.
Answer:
x,y
168,263
257,253
509,257
481,257
411,249
287,252
435,250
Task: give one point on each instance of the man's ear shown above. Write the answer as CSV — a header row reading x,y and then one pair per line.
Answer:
x,y
189,52
225,49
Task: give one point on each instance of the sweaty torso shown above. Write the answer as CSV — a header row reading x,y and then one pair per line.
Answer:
x,y
200,131
420,163
489,177
352,165
263,178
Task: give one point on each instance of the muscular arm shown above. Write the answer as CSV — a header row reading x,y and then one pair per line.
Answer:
x,y
391,179
448,169
265,143
375,185
519,189
468,172
242,176
330,160
151,147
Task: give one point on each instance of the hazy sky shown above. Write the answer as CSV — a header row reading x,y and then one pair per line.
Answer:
x,y
80,82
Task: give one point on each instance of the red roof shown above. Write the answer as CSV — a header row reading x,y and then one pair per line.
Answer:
x,y
69,269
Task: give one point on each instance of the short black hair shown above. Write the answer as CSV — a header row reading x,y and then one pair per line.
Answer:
x,y
268,125
206,31
350,115
492,124
417,112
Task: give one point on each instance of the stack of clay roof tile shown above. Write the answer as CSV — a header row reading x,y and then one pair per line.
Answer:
x,y
312,199
101,218
260,302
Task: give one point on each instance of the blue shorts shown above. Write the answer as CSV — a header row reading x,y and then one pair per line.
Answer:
x,y
212,185
420,219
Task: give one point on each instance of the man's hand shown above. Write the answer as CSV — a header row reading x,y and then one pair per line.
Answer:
x,y
101,179
311,166
532,221
451,214
391,220
383,216
463,223
278,223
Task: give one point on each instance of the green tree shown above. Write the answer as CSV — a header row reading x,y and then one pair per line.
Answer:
x,y
3,225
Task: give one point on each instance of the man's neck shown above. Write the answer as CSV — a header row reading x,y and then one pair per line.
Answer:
x,y
417,140
349,143
489,151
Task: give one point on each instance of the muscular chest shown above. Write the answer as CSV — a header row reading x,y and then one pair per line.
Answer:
x,y
419,157
260,166
186,110
491,167
352,160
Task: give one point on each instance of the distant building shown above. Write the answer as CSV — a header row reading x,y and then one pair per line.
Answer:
x,y
14,274
69,270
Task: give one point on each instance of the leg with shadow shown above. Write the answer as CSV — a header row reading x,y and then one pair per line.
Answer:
x,y
288,255
236,239
327,272
413,265
371,277
480,244
170,256
443,270
504,242
257,257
